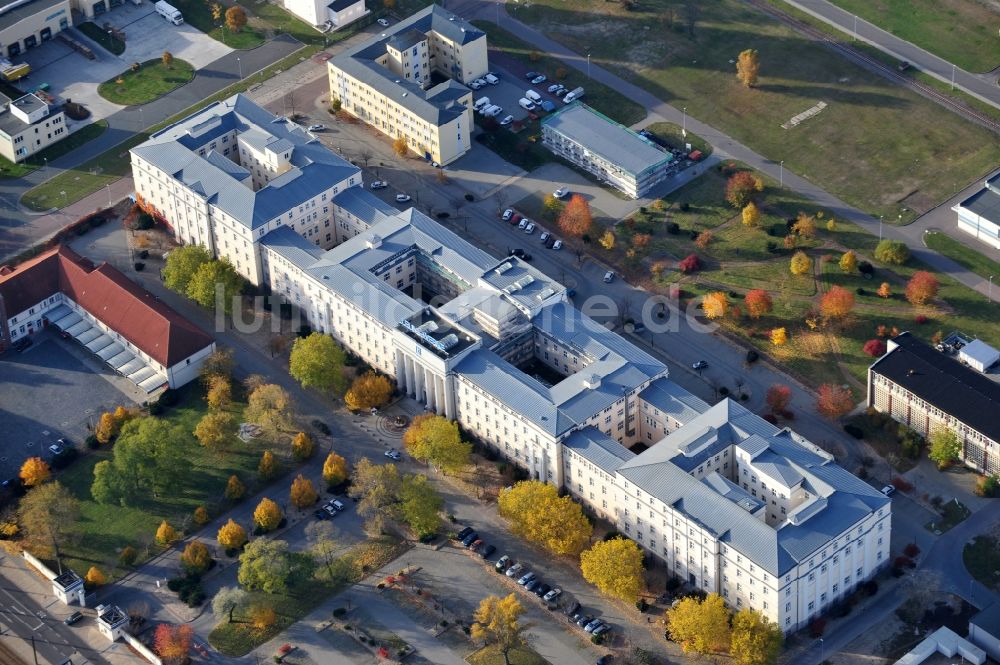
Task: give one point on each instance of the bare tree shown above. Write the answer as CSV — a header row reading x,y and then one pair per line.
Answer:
x,y
740,382
365,155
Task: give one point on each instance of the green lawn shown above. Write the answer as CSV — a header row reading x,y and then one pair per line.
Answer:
x,y
9,169
114,163
952,513
492,656
982,560
673,135
153,80
610,102
876,145
110,43
106,529
199,14
966,256
304,594
960,31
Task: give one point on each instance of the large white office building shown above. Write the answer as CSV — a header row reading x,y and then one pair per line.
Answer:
x,y
730,503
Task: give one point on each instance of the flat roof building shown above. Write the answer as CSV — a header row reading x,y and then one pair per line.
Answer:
x,y
28,125
979,215
611,151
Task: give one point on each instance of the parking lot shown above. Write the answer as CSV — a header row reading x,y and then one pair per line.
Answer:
x,y
70,75
509,90
52,390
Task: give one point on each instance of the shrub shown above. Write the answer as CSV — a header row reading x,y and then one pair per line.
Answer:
x,y
922,319
911,550
817,626
854,431
156,409
866,268
673,228
689,264
168,397
339,612
893,252
685,206
987,486
723,391
92,442
902,484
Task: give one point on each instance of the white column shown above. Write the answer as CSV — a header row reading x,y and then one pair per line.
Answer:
x,y
439,389
418,373
431,393
449,397
401,371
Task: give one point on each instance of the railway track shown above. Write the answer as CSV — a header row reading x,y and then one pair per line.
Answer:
x,y
879,67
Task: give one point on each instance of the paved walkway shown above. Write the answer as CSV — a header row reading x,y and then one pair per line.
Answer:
x,y
981,86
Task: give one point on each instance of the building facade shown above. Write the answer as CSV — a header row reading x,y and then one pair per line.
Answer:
x,y
612,152
979,215
328,16
29,125
927,389
387,82
124,325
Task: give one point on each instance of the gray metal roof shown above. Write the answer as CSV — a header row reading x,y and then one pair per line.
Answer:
x,y
437,105
611,140
292,246
664,474
404,39
988,620
673,400
14,16
985,203
980,351
364,205
598,448
175,151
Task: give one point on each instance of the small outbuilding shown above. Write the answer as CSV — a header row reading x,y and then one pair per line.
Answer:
x,y
979,355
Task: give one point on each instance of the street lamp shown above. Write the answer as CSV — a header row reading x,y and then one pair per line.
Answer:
x,y
63,192
588,64
822,650
880,228
684,122
855,27
110,204
953,76
240,65
781,173
989,291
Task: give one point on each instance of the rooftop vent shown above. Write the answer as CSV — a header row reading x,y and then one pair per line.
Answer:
x,y
429,326
449,340
503,267
592,382
374,242
546,292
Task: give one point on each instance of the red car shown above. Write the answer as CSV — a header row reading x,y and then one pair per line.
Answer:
x,y
516,219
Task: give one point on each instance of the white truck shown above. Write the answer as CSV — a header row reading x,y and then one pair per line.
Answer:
x,y
169,12
573,95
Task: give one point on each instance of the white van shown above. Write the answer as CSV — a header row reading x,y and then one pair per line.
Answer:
x,y
494,111
491,79
481,103
526,104
533,96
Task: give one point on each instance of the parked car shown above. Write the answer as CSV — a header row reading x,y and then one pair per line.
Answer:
x,y
526,104
547,106
545,236
316,128
888,490
584,620
492,78
550,241
531,585
22,344
524,222
493,112
701,364
475,85
56,449
554,87
73,618
464,532
502,562
552,594
903,66
517,251
560,193
572,608
541,590
383,22
514,570
507,120
487,551
609,276
531,75
600,630
469,539
320,514
475,544
481,82
402,198
541,78
529,228
527,577
557,244
507,214
330,510
392,453
337,505
592,625
379,184
516,219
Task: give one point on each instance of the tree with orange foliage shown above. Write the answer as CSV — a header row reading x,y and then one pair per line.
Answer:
x,y
884,291
758,302
834,401
715,304
640,240
741,188
922,287
35,471
575,220
805,226
95,578
777,398
836,303
303,493
704,239
196,558
173,643
166,534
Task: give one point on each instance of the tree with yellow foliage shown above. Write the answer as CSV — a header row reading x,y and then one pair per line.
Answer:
x,y
267,515
262,617
805,226
200,516
779,337
700,626
537,513
435,440
399,146
368,391
95,578
268,467
231,535
335,469
751,215
35,471
196,558
748,67
615,567
884,291
107,428
849,262
215,430
756,640
496,624
302,446
715,304
607,240
220,392
235,489
303,493
166,534
800,264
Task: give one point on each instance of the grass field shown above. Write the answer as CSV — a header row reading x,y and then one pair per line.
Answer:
x,y
673,135
199,14
492,656
610,102
982,560
960,31
879,147
153,80
966,256
110,43
107,529
953,513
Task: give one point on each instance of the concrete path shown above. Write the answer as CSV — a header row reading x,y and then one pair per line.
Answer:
x,y
981,86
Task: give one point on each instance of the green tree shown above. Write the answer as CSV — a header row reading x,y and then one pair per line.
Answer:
x,y
323,547
755,639
107,487
615,567
496,624
318,362
49,515
227,600
270,407
181,265
378,487
215,282
700,626
265,565
893,252
945,447
420,505
537,513
435,440
144,458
